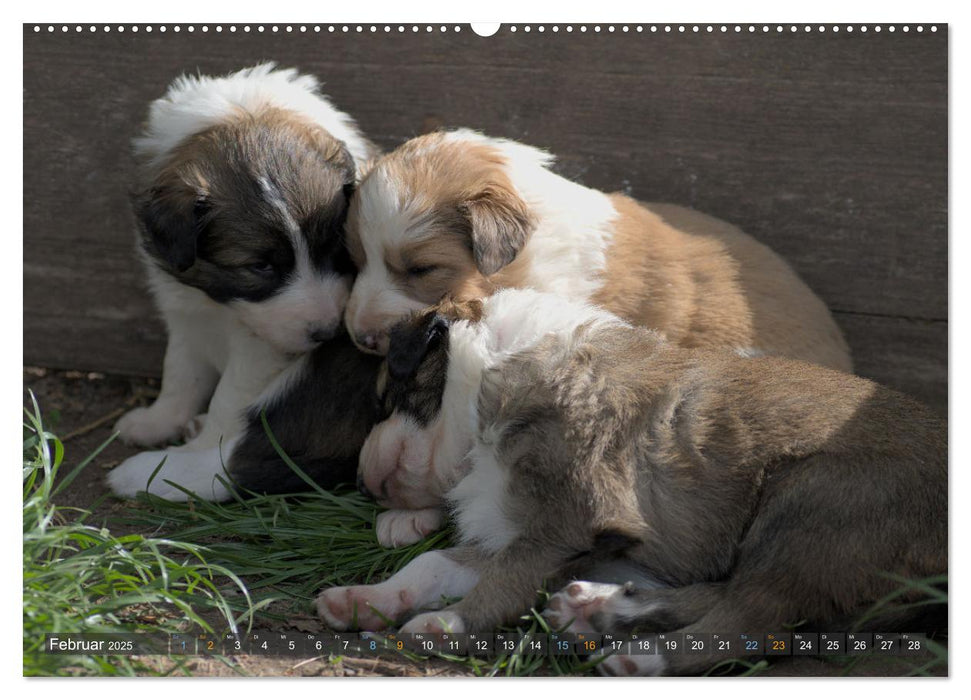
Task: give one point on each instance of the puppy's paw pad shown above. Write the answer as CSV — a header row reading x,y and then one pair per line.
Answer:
x,y
632,665
145,427
578,602
355,607
437,622
399,528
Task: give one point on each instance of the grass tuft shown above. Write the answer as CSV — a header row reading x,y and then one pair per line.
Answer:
x,y
81,579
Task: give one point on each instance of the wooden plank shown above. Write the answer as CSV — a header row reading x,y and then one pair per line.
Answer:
x,y
905,354
830,148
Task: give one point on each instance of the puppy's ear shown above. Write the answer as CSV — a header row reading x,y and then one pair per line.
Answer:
x,y
501,222
172,219
411,341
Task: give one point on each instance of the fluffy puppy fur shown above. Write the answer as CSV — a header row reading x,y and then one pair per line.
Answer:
x,y
245,183
463,214
750,493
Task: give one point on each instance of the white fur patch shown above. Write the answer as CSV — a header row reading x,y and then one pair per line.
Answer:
x,y
478,502
310,301
748,352
197,471
195,103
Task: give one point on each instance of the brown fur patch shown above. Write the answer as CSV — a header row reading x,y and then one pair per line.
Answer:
x,y
704,283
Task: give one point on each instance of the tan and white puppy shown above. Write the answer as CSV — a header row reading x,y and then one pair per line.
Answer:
x,y
463,214
743,494
245,185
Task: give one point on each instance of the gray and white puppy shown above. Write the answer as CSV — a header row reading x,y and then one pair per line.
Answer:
x,y
750,494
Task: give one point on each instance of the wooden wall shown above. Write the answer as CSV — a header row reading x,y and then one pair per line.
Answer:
x,y
831,148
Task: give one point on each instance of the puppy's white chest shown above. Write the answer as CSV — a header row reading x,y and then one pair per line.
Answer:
x,y
480,502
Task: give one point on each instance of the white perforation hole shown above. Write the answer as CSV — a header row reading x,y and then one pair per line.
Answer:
x,y
485,29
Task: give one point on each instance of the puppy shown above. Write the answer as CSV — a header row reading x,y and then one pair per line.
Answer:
x,y
751,494
245,186
462,214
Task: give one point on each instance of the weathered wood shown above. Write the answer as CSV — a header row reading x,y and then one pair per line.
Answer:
x,y
831,148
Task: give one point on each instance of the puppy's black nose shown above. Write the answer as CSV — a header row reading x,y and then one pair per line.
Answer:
x,y
362,488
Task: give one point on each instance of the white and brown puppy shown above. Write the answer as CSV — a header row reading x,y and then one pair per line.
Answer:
x,y
463,214
245,187
751,493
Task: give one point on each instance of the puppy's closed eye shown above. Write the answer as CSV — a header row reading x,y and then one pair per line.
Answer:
x,y
420,270
264,268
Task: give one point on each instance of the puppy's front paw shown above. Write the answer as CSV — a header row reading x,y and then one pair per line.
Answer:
x,y
361,607
579,601
398,528
200,473
146,427
437,622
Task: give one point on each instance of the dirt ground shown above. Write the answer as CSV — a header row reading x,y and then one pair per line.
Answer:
x,y
82,407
